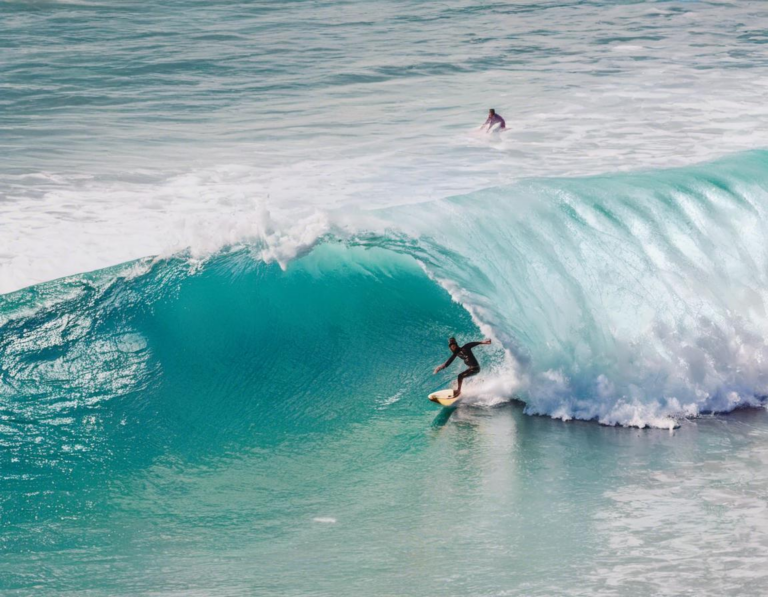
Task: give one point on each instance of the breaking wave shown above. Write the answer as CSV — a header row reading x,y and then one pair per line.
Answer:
x,y
630,300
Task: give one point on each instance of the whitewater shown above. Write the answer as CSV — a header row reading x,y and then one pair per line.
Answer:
x,y
235,236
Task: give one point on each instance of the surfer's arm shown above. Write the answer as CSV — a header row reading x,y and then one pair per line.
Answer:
x,y
446,364
473,344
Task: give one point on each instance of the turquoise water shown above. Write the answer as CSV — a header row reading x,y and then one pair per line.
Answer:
x,y
234,237
233,431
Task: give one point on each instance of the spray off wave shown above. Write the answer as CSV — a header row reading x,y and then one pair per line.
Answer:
x,y
631,300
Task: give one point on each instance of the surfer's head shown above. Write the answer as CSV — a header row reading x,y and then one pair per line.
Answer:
x,y
492,112
452,344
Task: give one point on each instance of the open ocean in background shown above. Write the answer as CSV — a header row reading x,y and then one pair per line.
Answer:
x,y
235,236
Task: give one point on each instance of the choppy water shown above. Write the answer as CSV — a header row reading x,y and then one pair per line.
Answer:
x,y
131,129
285,209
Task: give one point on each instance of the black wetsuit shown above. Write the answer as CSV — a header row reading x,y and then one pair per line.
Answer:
x,y
465,354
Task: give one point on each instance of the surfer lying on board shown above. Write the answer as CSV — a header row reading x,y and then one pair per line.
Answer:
x,y
493,120
465,354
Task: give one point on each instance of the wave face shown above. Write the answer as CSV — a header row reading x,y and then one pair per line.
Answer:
x,y
195,359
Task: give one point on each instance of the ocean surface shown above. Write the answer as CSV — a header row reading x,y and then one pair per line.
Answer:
x,y
235,236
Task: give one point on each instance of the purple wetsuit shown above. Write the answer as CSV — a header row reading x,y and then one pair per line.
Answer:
x,y
495,119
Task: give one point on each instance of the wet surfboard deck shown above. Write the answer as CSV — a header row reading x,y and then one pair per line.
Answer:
x,y
444,398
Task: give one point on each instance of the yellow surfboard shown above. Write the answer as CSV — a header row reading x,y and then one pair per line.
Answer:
x,y
444,398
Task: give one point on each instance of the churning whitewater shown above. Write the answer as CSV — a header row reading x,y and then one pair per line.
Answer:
x,y
628,299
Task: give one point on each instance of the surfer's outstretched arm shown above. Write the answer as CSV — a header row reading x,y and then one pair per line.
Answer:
x,y
473,344
446,364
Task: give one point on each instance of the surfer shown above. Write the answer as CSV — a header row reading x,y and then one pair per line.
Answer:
x,y
493,120
465,354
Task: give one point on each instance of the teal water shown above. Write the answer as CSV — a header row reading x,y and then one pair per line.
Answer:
x,y
242,434
234,237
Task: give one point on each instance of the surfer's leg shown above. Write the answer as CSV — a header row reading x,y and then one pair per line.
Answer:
x,y
463,375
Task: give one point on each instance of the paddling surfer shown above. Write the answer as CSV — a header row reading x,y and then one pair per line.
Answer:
x,y
465,354
493,120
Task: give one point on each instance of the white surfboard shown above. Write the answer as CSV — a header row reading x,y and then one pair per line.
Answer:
x,y
444,398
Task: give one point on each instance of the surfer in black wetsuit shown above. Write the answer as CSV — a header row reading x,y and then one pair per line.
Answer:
x,y
465,354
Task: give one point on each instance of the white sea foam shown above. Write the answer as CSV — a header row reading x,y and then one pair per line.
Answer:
x,y
71,230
